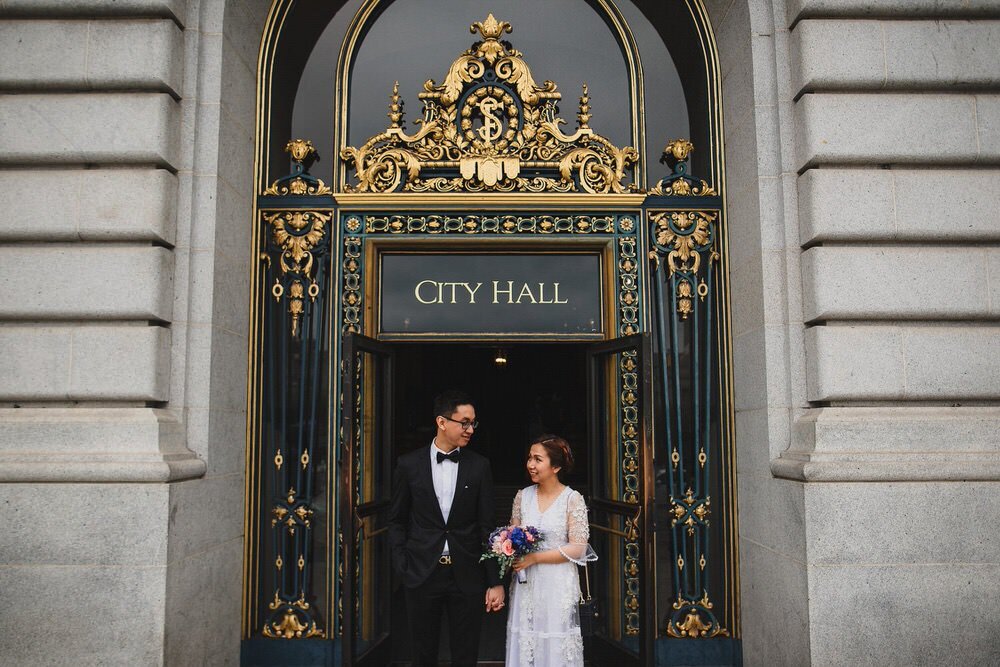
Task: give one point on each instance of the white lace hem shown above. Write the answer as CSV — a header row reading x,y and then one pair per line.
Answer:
x,y
589,556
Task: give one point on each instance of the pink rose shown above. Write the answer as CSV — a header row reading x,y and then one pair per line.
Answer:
x,y
508,548
529,537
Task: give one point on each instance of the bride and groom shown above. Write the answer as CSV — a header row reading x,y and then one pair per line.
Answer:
x,y
442,513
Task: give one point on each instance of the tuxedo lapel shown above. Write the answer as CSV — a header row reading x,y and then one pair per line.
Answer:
x,y
426,478
462,482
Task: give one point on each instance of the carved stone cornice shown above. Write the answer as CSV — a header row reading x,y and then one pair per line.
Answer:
x,y
892,444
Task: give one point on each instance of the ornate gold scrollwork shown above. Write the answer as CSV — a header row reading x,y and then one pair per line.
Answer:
x,y
502,224
698,623
694,511
299,182
628,287
681,237
290,627
679,184
292,513
296,234
489,127
684,244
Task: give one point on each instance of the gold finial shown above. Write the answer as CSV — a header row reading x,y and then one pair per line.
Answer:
x,y
584,114
300,149
679,149
395,106
491,28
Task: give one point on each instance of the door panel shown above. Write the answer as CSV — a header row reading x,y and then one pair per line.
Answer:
x,y
619,391
365,487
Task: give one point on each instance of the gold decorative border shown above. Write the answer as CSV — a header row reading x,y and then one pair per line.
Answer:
x,y
615,233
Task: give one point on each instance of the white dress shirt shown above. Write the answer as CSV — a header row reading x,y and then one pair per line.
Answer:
x,y
445,475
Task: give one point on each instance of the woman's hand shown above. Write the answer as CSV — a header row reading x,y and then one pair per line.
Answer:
x,y
523,562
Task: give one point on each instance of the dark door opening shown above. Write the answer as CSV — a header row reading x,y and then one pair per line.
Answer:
x,y
542,388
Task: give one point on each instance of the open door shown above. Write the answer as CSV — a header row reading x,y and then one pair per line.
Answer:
x,y
365,493
619,390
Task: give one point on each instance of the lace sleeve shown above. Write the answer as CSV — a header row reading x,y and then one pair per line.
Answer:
x,y
577,550
515,511
579,527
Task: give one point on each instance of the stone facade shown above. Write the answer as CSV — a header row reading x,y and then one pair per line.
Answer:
x,y
862,139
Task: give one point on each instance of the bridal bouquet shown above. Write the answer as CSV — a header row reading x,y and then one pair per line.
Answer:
x,y
508,543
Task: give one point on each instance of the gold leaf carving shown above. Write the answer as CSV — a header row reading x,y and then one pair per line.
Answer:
x,y
504,137
299,182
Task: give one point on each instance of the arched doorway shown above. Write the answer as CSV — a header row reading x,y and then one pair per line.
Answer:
x,y
664,490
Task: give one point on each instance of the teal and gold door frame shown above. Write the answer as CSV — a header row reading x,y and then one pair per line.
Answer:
x,y
490,169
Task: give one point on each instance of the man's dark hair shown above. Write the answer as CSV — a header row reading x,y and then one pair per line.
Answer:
x,y
446,403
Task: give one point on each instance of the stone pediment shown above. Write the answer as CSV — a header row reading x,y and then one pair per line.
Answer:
x,y
489,127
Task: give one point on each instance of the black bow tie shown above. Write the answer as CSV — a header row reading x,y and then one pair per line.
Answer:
x,y
452,456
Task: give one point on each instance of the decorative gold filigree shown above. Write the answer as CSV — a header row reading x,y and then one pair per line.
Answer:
x,y
682,237
691,626
300,149
679,149
628,295
503,137
697,623
693,511
299,182
684,305
503,224
684,243
352,298
583,116
290,627
293,513
679,184
296,234
491,29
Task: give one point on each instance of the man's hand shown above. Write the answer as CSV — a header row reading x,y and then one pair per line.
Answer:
x,y
494,598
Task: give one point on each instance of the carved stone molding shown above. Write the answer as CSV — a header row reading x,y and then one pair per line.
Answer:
x,y
892,444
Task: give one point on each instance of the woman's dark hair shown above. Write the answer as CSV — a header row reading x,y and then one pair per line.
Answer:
x,y
560,455
446,403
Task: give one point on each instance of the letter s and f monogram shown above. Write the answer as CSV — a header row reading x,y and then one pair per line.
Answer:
x,y
492,126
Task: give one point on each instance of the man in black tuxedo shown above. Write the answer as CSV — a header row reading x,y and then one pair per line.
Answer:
x,y
442,513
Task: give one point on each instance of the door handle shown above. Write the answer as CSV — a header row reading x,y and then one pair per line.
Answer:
x,y
631,531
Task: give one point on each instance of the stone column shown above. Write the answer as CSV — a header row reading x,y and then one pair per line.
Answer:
x,y
897,134
124,243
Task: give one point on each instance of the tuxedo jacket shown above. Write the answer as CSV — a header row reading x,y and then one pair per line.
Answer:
x,y
417,529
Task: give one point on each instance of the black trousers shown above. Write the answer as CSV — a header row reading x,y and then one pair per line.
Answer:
x,y
425,605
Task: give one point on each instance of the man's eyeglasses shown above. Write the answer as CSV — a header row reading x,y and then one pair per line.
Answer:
x,y
466,425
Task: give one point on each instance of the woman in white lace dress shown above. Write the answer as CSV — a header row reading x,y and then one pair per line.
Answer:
x,y
543,628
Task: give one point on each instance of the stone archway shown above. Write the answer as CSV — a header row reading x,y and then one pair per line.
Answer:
x,y
770,510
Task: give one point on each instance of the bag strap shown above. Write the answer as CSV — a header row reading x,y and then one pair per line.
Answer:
x,y
586,580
